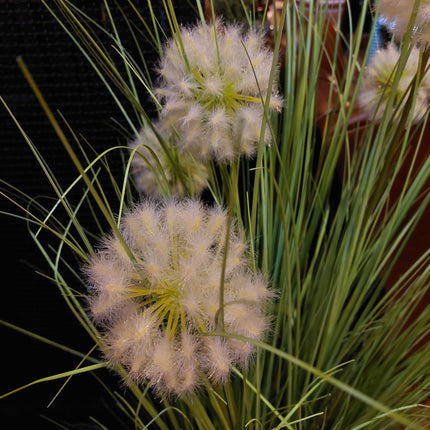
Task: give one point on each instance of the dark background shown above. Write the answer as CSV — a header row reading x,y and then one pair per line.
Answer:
x,y
28,300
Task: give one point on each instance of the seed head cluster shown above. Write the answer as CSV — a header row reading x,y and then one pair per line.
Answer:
x,y
377,86
214,81
156,308
158,169
396,15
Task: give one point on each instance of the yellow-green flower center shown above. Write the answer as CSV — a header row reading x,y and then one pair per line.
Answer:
x,y
227,98
164,303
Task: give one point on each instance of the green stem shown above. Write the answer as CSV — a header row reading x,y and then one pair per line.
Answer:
x,y
28,76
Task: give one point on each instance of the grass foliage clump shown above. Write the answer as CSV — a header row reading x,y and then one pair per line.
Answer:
x,y
295,311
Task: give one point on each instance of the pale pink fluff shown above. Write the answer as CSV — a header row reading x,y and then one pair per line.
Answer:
x,y
397,14
178,249
155,166
377,86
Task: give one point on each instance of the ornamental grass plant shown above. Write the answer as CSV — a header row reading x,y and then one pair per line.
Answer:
x,y
241,276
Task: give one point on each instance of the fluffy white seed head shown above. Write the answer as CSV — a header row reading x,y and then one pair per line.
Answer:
x,y
378,85
396,15
221,75
154,310
156,170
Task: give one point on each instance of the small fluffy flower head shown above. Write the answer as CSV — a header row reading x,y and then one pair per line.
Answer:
x,y
396,15
155,309
377,86
220,78
154,167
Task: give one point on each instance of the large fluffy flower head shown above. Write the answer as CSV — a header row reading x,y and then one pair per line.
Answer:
x,y
377,85
155,168
214,82
396,15
156,308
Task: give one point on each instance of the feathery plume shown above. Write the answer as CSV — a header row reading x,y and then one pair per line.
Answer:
x,y
396,15
156,310
377,85
213,88
155,168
